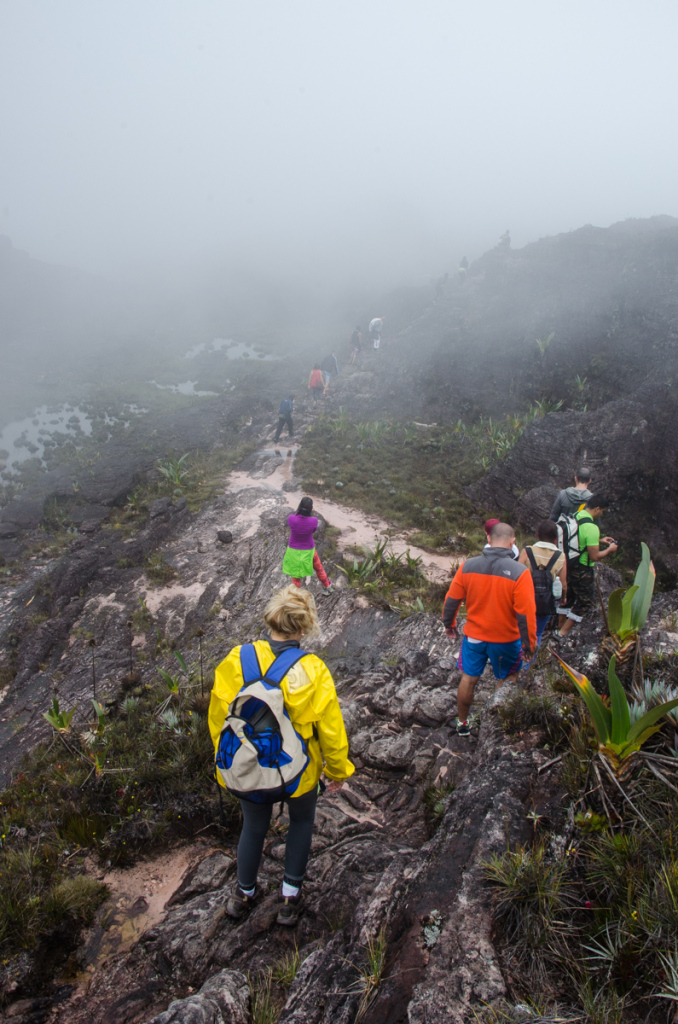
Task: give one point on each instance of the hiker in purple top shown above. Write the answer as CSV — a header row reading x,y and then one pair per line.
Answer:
x,y
301,558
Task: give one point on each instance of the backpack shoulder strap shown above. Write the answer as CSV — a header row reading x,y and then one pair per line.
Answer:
x,y
531,557
251,670
552,560
283,663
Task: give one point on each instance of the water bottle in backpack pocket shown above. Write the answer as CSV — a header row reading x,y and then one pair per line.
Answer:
x,y
260,755
544,583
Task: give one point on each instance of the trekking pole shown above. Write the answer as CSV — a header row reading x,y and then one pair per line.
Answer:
x,y
602,606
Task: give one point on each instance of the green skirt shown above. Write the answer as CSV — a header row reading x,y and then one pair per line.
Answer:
x,y
298,563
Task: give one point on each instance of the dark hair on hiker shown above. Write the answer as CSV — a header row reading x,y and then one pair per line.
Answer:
x,y
548,531
305,507
316,366
583,475
598,501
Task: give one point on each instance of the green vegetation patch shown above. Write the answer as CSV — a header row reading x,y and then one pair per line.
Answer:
x,y
137,772
411,475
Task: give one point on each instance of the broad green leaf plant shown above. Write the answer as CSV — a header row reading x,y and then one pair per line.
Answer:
x,y
627,611
617,738
59,720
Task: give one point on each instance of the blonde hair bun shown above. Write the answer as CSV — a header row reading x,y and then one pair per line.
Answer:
x,y
291,611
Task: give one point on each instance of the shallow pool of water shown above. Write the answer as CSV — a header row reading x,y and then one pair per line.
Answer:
x,y
187,387
25,439
232,350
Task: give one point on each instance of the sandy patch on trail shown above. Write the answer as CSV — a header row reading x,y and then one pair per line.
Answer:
x,y
357,528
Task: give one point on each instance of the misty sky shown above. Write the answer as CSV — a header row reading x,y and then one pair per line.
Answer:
x,y
143,136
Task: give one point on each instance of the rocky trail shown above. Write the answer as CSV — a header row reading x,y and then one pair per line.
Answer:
x,y
378,861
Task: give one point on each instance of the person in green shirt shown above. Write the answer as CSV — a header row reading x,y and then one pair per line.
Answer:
x,y
581,571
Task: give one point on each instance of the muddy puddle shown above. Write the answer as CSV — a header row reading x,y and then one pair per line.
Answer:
x,y
231,349
136,903
358,529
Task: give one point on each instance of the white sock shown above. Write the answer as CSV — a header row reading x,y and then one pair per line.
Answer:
x,y
290,890
248,892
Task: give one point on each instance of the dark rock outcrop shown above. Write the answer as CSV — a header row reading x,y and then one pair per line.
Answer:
x,y
628,446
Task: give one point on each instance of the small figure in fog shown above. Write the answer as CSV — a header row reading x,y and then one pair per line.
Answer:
x,y
440,285
463,270
375,329
285,416
330,367
316,383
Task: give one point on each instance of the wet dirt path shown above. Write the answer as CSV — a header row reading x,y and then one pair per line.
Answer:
x,y
358,528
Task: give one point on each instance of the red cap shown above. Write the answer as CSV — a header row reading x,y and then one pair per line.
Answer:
x,y
490,523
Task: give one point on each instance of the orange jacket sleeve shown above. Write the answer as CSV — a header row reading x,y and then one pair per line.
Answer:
x,y
455,595
526,610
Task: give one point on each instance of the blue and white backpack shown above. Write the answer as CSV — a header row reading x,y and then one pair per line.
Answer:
x,y
260,755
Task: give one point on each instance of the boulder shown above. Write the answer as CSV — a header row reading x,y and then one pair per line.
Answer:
x,y
394,752
223,999
534,506
159,507
224,536
25,514
209,874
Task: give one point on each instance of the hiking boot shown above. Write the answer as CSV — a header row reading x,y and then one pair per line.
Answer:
x,y
329,589
239,903
290,909
463,729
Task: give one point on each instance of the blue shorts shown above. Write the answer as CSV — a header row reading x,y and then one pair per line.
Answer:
x,y
506,659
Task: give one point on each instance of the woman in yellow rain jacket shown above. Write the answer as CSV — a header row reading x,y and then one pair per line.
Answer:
x,y
312,704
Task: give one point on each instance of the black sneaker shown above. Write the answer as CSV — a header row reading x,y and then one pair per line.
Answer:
x,y
239,903
463,729
290,909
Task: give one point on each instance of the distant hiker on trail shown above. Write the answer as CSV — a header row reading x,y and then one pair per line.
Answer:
x,y
463,270
500,616
548,567
356,344
375,329
571,499
285,416
488,530
316,382
329,366
301,558
582,552
274,741
505,240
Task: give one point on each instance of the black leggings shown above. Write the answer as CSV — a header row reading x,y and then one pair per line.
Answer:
x,y
257,818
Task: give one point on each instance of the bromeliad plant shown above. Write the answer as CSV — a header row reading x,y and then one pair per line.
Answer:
x,y
627,611
59,720
617,738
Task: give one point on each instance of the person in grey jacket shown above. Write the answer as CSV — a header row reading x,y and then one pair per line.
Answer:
x,y
571,499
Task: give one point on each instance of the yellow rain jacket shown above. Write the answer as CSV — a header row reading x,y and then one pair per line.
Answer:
x,y
311,700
